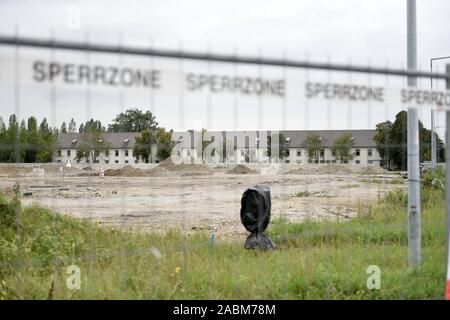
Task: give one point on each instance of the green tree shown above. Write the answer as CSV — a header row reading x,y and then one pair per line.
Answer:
x,y
143,145
11,141
342,147
2,140
33,140
391,140
23,141
72,126
46,142
205,140
314,146
91,145
133,120
164,143
94,125
63,127
81,128
383,141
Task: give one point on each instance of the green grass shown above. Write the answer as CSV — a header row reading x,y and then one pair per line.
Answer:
x,y
384,181
303,194
314,260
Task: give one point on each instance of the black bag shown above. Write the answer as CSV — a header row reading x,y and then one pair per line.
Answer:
x,y
255,209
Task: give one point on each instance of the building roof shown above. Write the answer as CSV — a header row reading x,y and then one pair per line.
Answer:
x,y
113,140
363,138
116,140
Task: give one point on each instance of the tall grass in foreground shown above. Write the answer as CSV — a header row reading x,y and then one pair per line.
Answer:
x,y
315,260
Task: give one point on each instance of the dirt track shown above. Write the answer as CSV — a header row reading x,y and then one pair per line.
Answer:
x,y
200,202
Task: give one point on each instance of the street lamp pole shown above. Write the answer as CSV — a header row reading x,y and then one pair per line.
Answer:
x,y
433,125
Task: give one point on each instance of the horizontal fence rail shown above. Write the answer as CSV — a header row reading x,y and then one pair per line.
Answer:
x,y
103,48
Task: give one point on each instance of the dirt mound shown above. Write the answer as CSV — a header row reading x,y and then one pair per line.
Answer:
x,y
126,171
322,169
373,170
336,169
11,170
167,164
240,169
157,172
183,169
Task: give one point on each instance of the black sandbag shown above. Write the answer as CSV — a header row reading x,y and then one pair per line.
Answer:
x,y
255,209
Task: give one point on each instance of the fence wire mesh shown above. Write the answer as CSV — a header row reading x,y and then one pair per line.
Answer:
x,y
169,226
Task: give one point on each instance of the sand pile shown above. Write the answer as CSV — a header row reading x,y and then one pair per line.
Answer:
x,y
11,170
157,172
322,169
372,170
126,171
183,169
167,164
336,169
240,169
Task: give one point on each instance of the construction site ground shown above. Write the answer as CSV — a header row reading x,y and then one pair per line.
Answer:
x,y
196,198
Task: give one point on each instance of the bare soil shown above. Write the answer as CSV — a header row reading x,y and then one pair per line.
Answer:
x,y
196,197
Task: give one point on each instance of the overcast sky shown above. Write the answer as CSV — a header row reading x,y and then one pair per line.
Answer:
x,y
360,31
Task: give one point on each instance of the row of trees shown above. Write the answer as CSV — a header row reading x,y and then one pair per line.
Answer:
x,y
132,120
314,145
27,141
30,141
391,141
341,149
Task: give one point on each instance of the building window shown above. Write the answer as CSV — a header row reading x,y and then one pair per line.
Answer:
x,y
358,162
188,152
358,152
299,153
369,152
288,153
299,161
87,160
333,152
287,161
107,153
117,153
106,161
178,153
59,153
136,161
242,152
68,153
333,161
126,153
322,153
117,161
369,161
126,161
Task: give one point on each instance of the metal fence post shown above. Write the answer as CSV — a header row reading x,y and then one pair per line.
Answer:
x,y
414,232
447,190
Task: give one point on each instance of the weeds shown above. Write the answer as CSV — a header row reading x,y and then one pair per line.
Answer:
x,y
315,259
